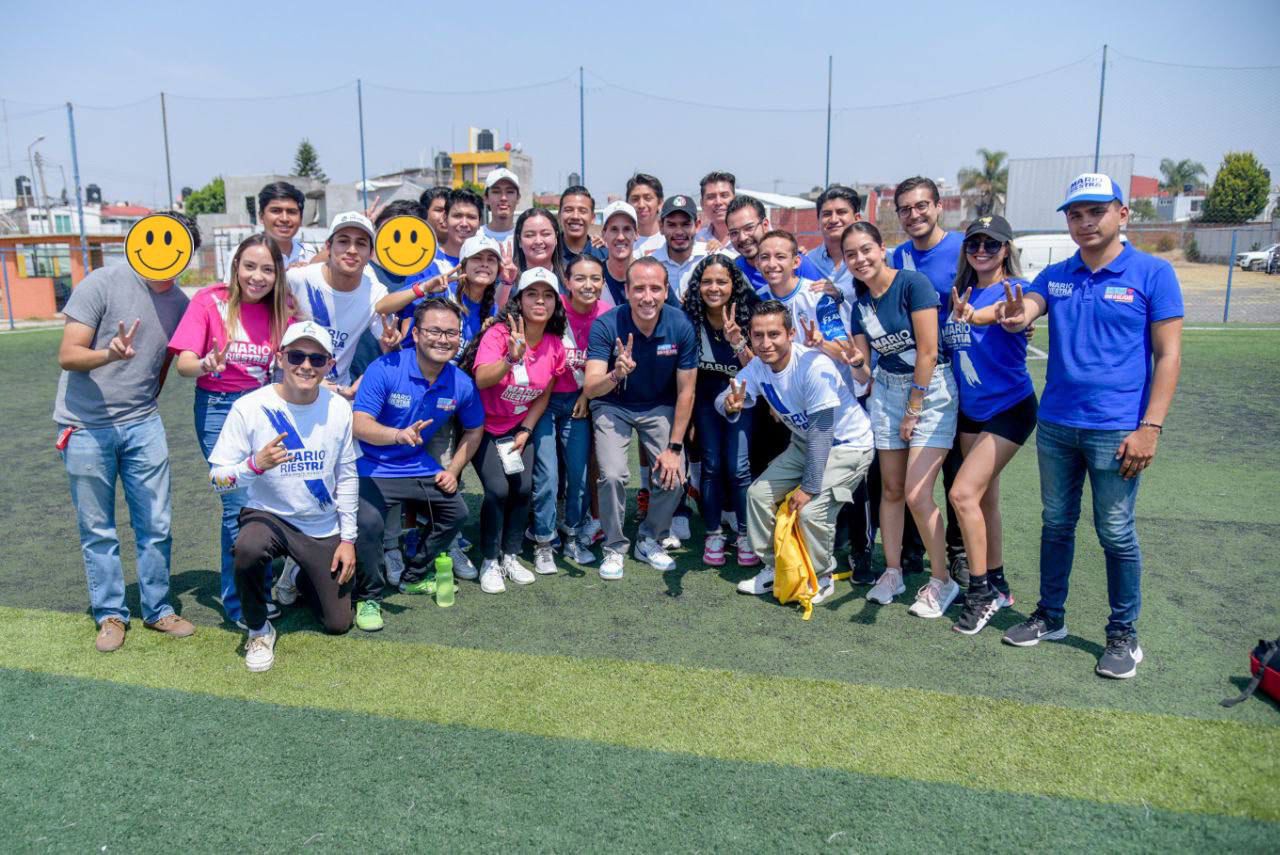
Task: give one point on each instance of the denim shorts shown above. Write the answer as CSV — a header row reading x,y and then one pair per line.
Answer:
x,y
936,427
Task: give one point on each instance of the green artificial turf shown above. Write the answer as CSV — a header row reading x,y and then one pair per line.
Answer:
x,y
123,768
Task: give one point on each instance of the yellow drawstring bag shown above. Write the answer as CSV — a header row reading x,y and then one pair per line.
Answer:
x,y
793,577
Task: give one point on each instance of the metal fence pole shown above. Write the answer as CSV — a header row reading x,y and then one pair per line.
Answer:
x,y
1231,269
1102,91
582,129
8,301
75,173
364,182
826,174
168,170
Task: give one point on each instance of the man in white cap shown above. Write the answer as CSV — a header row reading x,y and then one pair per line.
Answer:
x,y
619,233
501,195
341,295
289,444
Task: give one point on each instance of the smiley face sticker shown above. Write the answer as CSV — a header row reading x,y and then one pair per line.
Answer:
x,y
405,245
158,247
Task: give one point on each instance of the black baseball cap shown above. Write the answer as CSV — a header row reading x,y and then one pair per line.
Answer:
x,y
994,226
679,204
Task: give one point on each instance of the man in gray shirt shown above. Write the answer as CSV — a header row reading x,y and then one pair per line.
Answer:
x,y
114,356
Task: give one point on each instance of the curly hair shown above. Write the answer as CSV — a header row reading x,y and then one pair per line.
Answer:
x,y
556,325
743,296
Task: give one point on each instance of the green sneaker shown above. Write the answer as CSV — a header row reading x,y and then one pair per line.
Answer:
x,y
425,585
369,615
444,580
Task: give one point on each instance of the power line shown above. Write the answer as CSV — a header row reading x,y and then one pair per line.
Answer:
x,y
522,87
1199,67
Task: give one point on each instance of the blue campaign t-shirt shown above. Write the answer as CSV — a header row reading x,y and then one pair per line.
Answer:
x,y
396,394
441,263
990,364
806,270
937,264
673,346
1099,374
886,322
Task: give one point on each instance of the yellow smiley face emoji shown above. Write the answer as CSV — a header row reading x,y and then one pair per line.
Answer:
x,y
158,247
405,245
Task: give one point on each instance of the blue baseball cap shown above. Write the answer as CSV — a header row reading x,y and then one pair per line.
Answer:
x,y
1092,187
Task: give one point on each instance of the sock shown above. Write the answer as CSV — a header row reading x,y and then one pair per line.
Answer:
x,y
996,575
265,630
978,583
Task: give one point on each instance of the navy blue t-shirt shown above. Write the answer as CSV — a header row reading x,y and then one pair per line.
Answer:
x,y
717,364
673,346
599,253
618,290
886,322
990,364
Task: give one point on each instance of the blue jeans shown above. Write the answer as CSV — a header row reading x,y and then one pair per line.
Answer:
x,y
726,466
211,409
138,455
1066,455
559,436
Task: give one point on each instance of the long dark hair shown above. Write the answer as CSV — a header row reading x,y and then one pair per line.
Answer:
x,y
486,299
555,327
868,229
557,256
743,297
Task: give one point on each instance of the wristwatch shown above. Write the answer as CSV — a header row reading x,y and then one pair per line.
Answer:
x,y
677,447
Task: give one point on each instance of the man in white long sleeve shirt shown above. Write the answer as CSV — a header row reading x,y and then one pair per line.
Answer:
x,y
290,446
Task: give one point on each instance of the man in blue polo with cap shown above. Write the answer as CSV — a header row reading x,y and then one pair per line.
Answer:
x,y
1115,341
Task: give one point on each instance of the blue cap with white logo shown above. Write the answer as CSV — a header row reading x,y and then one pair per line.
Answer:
x,y
1092,187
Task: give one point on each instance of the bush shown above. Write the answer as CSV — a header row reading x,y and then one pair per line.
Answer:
x,y
1165,243
1193,251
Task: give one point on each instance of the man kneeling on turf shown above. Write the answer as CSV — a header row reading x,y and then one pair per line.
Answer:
x,y
290,445
830,450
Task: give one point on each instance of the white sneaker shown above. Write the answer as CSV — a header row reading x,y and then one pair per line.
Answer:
x,y
713,550
285,590
934,598
888,586
491,577
578,552
462,566
260,651
611,566
515,571
591,532
680,528
393,560
826,587
746,555
650,552
671,543
544,560
759,584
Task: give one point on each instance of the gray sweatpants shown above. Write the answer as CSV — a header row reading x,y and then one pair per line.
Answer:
x,y
613,428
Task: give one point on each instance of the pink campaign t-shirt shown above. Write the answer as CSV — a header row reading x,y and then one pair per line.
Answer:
x,y
577,336
204,326
506,403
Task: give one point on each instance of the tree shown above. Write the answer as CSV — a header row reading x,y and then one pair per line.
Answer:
x,y
991,180
1180,174
1142,211
209,199
306,163
1239,191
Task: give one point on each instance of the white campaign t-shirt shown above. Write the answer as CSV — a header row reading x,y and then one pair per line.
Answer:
x,y
303,490
503,238
648,245
809,384
817,307
345,314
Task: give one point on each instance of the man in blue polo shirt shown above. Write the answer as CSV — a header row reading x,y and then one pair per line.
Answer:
x,y
1115,351
748,223
838,208
642,364
404,414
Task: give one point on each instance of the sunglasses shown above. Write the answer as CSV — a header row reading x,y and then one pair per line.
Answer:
x,y
990,246
297,357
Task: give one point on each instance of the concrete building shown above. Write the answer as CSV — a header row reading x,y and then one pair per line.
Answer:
x,y
1180,208
1037,187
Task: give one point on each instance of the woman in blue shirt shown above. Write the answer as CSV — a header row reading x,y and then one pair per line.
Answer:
x,y
912,408
997,407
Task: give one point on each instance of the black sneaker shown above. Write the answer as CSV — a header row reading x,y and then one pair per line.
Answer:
x,y
1035,629
980,606
1120,659
860,568
912,562
958,567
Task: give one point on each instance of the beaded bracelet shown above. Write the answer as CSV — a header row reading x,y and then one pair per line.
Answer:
x,y
918,388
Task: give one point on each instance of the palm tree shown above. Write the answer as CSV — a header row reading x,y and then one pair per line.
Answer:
x,y
1179,174
991,181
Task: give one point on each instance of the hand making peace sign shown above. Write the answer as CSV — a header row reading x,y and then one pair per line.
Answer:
x,y
736,399
624,364
215,361
517,346
961,308
812,335
392,335
732,332
1012,312
121,346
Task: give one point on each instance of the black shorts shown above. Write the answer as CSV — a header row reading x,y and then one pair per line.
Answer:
x,y
1015,424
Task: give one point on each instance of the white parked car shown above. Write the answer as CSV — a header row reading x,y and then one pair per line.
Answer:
x,y
1256,260
1036,252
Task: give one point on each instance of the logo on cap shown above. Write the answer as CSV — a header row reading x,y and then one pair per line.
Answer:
x,y
679,202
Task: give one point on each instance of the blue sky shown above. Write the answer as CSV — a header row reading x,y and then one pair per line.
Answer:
x,y
762,69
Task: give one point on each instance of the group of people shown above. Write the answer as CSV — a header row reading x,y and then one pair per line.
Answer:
x,y
338,405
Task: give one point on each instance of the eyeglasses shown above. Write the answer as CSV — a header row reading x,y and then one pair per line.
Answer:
x,y
990,246
436,332
918,207
734,234
297,357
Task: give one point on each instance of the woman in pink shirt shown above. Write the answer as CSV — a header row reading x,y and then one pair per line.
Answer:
x,y
516,364
226,340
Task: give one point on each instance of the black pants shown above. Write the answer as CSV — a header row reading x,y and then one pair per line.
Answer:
x,y
911,543
265,537
504,511
444,513
862,515
769,437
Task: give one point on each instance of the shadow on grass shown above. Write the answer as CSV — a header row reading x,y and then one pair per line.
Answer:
x,y
1258,695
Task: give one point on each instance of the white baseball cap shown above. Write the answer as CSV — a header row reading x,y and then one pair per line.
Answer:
x,y
534,275
351,219
307,329
476,244
620,207
498,174
1092,187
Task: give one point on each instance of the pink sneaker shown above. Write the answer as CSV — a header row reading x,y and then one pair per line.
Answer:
x,y
746,555
713,553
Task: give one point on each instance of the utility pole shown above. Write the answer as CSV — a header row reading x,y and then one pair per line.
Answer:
x,y
826,175
1102,91
44,192
168,170
582,129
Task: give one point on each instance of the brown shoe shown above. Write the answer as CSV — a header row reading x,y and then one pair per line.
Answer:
x,y
173,625
110,635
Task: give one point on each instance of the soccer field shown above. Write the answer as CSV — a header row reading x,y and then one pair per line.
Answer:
x,y
663,712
